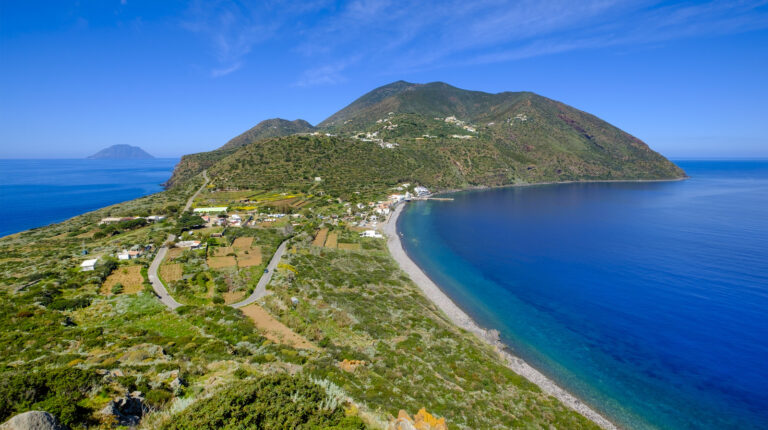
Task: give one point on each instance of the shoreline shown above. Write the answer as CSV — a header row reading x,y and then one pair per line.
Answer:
x,y
533,184
490,336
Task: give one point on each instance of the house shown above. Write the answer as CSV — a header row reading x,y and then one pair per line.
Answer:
x,y
155,218
109,220
395,198
421,191
88,265
123,255
191,244
371,233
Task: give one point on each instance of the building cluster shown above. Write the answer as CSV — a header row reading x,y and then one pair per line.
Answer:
x,y
134,252
455,121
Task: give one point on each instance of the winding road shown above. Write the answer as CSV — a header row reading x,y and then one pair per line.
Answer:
x,y
261,288
162,293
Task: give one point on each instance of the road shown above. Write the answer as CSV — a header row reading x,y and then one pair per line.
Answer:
x,y
261,288
192,199
162,293
158,286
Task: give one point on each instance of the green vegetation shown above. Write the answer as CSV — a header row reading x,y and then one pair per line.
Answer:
x,y
72,340
271,402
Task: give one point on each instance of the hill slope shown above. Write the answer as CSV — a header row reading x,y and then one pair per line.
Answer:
x,y
443,137
269,128
192,164
121,152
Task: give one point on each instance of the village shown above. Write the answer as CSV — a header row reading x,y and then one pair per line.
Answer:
x,y
219,252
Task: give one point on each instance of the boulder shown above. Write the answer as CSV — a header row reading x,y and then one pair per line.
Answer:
x,y
126,411
32,420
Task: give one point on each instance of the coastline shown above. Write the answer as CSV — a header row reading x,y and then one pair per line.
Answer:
x,y
533,184
463,320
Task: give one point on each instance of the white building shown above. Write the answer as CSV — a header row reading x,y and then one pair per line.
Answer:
x,y
191,244
155,218
421,191
371,233
88,265
210,210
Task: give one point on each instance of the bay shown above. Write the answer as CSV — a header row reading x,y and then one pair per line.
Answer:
x,y
648,300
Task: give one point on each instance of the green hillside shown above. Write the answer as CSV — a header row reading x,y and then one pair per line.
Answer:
x,y
440,136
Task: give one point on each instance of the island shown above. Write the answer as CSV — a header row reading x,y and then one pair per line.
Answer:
x,y
267,284
121,152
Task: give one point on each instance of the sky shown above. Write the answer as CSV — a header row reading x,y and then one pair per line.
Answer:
x,y
688,78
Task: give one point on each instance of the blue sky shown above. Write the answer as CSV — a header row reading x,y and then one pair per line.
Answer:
x,y
689,78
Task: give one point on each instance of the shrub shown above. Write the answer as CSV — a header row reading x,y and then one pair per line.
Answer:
x,y
117,288
271,402
57,391
61,304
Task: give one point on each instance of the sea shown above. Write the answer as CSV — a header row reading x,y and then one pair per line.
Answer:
x,y
35,193
647,300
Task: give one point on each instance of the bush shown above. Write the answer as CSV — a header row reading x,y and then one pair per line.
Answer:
x,y
117,288
61,304
158,398
57,391
276,401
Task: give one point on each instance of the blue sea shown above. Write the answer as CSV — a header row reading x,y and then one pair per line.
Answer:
x,y
647,300
34,193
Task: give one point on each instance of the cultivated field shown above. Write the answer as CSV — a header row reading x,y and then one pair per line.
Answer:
x,y
332,240
252,258
320,237
349,246
242,243
232,297
223,251
273,329
174,253
129,276
171,272
221,262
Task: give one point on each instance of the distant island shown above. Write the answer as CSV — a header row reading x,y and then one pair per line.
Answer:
x,y
122,152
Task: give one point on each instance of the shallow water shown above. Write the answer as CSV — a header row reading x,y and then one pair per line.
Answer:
x,y
647,300
34,193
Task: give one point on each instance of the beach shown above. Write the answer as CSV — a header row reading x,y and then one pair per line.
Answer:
x,y
461,319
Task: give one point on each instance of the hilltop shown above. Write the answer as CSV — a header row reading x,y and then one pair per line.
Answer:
x,y
449,138
121,152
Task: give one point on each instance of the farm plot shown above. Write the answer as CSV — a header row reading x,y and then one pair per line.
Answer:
x,y
174,253
171,272
242,243
223,251
252,258
129,276
221,262
320,237
332,240
273,329
349,246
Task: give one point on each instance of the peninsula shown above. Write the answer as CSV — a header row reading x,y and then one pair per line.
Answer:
x,y
284,290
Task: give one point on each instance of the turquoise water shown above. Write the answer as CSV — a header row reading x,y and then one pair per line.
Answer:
x,y
647,300
34,193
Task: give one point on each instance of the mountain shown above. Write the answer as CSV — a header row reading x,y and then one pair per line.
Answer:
x,y
121,152
440,136
192,164
274,127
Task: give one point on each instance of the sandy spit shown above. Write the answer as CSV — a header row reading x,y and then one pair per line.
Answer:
x,y
460,318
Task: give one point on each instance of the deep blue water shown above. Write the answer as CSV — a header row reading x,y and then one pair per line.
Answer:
x,y
647,300
35,193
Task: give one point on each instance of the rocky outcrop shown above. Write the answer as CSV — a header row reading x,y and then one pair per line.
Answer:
x,y
32,420
423,420
125,411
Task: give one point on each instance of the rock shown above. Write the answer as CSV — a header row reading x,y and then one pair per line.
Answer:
x,y
423,420
177,383
126,411
32,420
